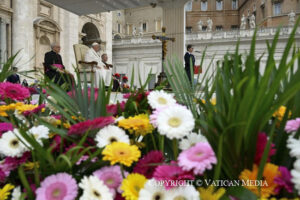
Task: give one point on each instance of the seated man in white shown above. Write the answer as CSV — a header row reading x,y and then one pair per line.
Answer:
x,y
92,55
108,68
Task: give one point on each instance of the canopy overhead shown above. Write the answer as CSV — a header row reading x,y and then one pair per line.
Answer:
x,y
84,7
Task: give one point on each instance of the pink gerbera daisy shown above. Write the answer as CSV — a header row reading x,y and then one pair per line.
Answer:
x,y
4,127
60,186
13,91
261,143
82,127
292,125
111,177
197,158
171,175
147,165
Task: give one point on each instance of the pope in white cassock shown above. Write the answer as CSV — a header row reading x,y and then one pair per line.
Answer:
x,y
100,71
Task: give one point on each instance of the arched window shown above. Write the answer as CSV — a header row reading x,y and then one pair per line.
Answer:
x,y
204,5
219,5
235,4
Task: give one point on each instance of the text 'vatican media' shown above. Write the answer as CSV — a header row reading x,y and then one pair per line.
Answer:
x,y
210,182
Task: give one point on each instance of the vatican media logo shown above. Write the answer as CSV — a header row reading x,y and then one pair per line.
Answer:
x,y
210,182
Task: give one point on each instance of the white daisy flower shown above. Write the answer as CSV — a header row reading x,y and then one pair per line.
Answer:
x,y
153,190
191,140
94,189
39,132
175,122
296,175
110,134
184,192
16,194
158,99
294,146
11,145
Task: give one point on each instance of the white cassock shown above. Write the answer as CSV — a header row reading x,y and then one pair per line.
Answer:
x,y
100,74
108,75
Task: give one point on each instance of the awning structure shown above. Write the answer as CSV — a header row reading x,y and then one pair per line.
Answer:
x,y
83,7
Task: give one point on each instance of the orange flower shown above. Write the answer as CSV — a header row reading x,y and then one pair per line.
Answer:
x,y
267,184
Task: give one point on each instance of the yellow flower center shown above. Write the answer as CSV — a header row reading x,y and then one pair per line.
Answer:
x,y
137,188
110,181
56,193
162,101
174,122
180,198
14,143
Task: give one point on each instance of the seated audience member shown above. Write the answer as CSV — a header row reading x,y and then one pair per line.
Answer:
x,y
14,78
108,69
54,68
116,82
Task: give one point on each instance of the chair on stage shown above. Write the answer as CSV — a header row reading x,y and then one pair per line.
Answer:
x,y
82,66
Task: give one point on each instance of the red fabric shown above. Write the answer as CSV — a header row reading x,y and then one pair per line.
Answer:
x,y
197,69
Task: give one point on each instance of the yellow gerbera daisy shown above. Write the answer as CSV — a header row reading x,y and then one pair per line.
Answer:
x,y
119,152
25,107
210,193
279,114
132,186
269,174
5,191
140,124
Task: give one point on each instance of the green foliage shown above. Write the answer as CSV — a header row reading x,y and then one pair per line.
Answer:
x,y
246,101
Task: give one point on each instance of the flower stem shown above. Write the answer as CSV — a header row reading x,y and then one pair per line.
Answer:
x,y
122,171
175,148
162,143
153,140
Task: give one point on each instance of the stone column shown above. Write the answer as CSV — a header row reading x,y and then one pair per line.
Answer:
x,y
174,21
3,44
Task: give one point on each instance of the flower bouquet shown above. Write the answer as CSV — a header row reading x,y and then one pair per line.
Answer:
x,y
234,136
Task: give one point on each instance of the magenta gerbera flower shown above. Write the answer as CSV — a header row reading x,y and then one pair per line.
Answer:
x,y
197,158
111,177
113,108
5,126
261,143
61,186
147,165
82,127
292,125
171,175
284,180
13,91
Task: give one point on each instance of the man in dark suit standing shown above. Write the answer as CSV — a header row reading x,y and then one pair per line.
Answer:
x,y
52,60
189,60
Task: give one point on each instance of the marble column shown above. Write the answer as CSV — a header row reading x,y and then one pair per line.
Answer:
x,y
3,43
174,21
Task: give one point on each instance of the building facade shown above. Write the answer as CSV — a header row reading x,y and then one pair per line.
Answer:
x,y
228,14
30,26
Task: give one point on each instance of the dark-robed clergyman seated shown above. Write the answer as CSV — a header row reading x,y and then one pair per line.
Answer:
x,y
53,66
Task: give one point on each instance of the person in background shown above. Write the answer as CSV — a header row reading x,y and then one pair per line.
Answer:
x,y
125,86
189,60
93,56
53,64
14,78
116,82
108,68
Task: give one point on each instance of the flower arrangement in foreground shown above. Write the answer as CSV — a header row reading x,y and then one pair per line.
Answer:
x,y
155,145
